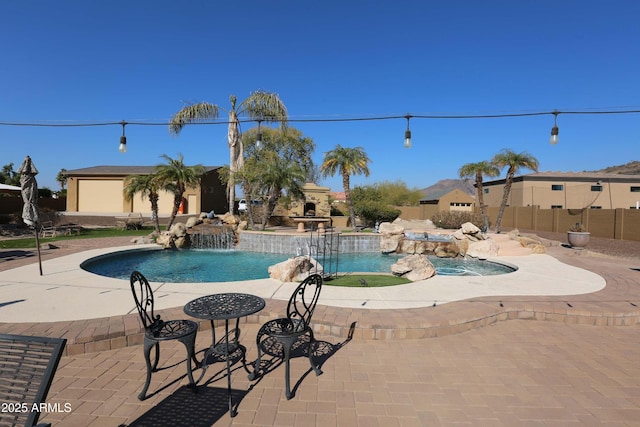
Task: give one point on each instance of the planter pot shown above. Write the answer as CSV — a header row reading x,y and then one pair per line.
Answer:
x,y
577,239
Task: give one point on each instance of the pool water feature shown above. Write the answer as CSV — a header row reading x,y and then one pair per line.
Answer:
x,y
196,266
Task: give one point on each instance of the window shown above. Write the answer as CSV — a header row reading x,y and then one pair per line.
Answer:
x,y
557,187
596,207
485,190
596,188
635,189
556,206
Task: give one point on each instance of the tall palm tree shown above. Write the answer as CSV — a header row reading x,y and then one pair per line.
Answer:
x,y
346,161
478,171
175,176
514,161
146,186
260,105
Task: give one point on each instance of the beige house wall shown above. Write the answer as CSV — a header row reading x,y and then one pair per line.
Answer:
x,y
92,193
570,195
99,195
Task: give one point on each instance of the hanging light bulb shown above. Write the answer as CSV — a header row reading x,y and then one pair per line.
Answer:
x,y
407,134
554,130
123,140
259,138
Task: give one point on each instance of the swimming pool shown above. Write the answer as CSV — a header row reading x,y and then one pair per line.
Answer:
x,y
196,266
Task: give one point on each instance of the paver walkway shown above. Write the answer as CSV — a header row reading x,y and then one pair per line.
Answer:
x,y
578,367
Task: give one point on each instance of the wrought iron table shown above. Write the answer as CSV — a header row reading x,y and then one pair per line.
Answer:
x,y
225,307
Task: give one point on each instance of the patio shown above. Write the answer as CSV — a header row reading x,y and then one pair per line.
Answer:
x,y
576,368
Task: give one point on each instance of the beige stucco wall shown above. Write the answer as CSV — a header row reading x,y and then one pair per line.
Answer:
x,y
99,195
574,195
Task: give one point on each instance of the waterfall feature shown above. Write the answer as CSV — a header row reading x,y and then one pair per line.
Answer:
x,y
212,237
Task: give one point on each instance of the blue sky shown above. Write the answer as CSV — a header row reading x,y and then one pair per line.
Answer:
x,y
79,62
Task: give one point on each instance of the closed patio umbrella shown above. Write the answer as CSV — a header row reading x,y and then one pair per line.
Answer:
x,y
29,188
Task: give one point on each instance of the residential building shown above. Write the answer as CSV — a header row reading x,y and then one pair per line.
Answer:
x,y
567,190
99,189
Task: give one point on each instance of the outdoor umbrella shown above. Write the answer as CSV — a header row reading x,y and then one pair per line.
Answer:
x,y
29,187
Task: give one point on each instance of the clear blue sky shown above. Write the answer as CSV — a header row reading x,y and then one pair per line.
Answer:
x,y
107,61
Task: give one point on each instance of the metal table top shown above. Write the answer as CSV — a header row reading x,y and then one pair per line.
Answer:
x,y
224,306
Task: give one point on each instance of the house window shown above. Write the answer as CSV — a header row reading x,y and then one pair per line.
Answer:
x,y
635,189
557,187
485,190
596,188
556,206
596,207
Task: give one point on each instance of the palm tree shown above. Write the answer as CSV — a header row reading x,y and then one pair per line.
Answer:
x,y
260,105
478,171
62,178
515,162
146,186
175,176
347,161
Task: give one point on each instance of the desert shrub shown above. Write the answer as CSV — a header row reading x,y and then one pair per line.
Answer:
x,y
371,212
455,219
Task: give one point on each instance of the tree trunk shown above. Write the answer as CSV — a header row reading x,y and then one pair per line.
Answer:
x,y
505,198
483,207
233,138
347,198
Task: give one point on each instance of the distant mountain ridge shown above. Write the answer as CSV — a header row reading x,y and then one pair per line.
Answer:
x,y
444,186
631,168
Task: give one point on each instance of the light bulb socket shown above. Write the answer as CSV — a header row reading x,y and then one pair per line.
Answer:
x,y
554,135
407,139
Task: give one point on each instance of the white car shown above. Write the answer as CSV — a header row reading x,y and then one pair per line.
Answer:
x,y
242,205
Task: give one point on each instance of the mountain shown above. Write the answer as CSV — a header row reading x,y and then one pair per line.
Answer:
x,y
444,186
631,168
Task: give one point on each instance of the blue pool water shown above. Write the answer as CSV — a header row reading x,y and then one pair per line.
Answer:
x,y
193,266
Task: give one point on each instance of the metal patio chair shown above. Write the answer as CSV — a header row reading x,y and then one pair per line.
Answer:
x,y
27,367
157,330
277,337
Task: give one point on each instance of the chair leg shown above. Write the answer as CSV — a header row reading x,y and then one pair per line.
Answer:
x,y
287,343
256,365
314,366
148,344
190,344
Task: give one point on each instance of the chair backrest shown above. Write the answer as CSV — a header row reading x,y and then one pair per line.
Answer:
x,y
303,300
27,367
143,296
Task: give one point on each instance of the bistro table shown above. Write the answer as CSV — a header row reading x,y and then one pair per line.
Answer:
x,y
225,307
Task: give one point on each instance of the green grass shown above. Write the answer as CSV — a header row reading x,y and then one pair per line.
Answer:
x,y
84,234
373,280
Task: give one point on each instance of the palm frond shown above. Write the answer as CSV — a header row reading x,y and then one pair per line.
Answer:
x,y
192,113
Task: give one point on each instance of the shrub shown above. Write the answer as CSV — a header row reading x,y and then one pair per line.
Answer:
x,y
370,212
455,219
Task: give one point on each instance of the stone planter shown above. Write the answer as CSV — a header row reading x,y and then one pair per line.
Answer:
x,y
578,239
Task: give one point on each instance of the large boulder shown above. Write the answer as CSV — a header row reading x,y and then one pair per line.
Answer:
x,y
294,269
414,267
193,221
483,249
389,243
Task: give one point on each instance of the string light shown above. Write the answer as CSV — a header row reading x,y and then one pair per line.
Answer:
x,y
123,139
407,140
554,130
407,134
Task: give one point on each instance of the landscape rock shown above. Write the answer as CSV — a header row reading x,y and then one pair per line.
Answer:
x,y
483,249
294,269
414,267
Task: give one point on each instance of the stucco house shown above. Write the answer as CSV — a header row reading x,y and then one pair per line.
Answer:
x,y
99,189
568,190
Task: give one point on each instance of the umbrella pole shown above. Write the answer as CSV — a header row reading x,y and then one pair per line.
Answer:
x,y
35,230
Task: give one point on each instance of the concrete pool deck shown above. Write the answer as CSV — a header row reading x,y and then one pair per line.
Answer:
x,y
65,292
